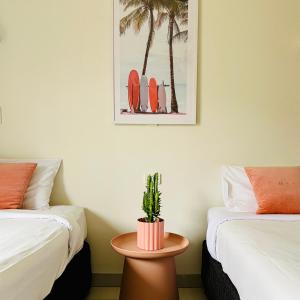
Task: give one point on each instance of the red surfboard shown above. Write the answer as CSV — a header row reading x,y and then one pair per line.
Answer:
x,y
133,90
153,94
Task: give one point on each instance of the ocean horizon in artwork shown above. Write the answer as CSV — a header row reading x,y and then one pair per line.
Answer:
x,y
133,45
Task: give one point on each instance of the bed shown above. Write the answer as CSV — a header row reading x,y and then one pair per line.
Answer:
x,y
43,254
251,257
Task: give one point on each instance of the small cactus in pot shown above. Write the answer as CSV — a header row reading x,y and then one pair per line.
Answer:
x,y
150,233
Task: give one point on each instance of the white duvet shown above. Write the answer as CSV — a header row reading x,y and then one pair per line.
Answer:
x,y
260,254
35,247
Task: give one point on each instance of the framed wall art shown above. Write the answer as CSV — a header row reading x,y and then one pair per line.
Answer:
x,y
155,61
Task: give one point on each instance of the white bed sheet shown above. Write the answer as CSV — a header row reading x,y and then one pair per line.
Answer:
x,y
35,248
260,253
220,215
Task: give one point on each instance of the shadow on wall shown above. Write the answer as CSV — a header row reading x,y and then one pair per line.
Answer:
x,y
100,232
2,33
102,253
196,238
59,195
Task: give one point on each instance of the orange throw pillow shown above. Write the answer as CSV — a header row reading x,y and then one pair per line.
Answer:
x,y
277,189
14,180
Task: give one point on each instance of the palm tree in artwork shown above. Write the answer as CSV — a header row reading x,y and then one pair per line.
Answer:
x,y
143,11
176,13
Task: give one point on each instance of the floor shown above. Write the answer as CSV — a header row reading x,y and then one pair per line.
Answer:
x,y
113,294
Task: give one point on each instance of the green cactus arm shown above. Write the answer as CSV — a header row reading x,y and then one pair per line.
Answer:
x,y
151,202
155,178
156,205
144,207
148,183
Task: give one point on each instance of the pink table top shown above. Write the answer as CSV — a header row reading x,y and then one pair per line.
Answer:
x,y
126,244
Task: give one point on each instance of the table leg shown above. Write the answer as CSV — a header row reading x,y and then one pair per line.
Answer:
x,y
149,279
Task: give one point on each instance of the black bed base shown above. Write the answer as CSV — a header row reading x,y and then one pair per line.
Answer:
x,y
75,282
217,284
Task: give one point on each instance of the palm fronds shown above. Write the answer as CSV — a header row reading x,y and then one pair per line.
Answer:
x,y
142,12
181,36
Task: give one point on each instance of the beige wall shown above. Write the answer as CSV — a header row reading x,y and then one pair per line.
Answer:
x,y
56,93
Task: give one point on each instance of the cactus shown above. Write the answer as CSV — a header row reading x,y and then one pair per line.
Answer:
x,y
151,199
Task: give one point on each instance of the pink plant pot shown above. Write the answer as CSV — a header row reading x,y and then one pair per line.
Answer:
x,y
150,236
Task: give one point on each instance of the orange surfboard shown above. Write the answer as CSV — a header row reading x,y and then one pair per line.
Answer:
x,y
133,90
153,94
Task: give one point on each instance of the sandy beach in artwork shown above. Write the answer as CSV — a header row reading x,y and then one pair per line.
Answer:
x,y
123,112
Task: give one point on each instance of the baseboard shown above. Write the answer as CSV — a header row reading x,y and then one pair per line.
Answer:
x,y
114,280
106,279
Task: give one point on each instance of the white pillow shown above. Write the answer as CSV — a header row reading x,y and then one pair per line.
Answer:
x,y
40,187
237,190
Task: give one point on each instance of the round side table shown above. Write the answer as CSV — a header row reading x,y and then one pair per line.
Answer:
x,y
149,275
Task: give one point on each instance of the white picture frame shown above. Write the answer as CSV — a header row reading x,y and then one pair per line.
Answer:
x,y
124,48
